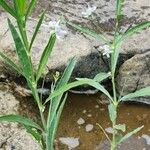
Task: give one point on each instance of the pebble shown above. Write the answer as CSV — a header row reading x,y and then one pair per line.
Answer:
x,y
89,127
80,121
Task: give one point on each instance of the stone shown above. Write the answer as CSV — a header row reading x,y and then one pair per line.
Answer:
x,y
133,75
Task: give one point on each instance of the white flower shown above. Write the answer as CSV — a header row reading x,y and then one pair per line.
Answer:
x,y
88,11
106,50
60,33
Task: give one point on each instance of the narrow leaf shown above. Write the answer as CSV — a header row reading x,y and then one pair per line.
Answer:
x,y
112,112
30,8
129,134
101,76
21,120
88,32
24,59
22,6
134,30
79,83
45,55
7,8
119,9
56,103
36,30
8,61
141,92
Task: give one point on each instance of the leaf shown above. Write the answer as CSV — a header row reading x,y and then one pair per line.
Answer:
x,y
8,61
21,120
56,105
112,112
45,55
134,30
54,125
88,32
101,76
34,133
37,29
121,127
129,134
30,8
141,92
22,53
114,58
78,83
119,10
7,8
22,6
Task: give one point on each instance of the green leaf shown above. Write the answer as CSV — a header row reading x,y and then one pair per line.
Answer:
x,y
119,10
8,61
34,133
56,105
101,76
54,124
121,127
141,92
7,8
134,30
129,134
45,55
36,30
22,6
88,32
30,8
112,112
23,55
114,57
21,120
78,83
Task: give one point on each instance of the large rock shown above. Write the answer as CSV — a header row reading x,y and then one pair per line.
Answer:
x,y
134,74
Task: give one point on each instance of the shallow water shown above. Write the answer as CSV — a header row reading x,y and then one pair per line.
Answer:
x,y
92,109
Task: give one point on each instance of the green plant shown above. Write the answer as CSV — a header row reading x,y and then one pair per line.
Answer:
x,y
44,132
112,48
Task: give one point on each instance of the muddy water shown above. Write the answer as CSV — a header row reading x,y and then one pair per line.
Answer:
x,y
94,110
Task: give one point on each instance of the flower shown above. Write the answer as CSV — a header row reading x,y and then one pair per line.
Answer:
x,y
57,27
106,50
88,11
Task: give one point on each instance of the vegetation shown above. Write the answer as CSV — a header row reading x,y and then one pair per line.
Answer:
x,y
45,132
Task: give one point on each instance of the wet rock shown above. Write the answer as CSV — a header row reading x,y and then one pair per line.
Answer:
x,y
134,74
12,135
130,144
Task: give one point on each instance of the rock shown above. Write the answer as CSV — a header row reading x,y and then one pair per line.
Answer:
x,y
134,74
130,144
12,135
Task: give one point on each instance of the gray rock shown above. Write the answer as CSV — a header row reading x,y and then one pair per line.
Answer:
x,y
12,135
133,75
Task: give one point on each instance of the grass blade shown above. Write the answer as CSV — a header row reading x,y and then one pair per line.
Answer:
x,y
141,92
54,125
88,32
8,61
101,76
79,83
22,53
119,10
22,6
134,30
21,120
7,8
30,8
45,55
129,134
55,103
36,30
